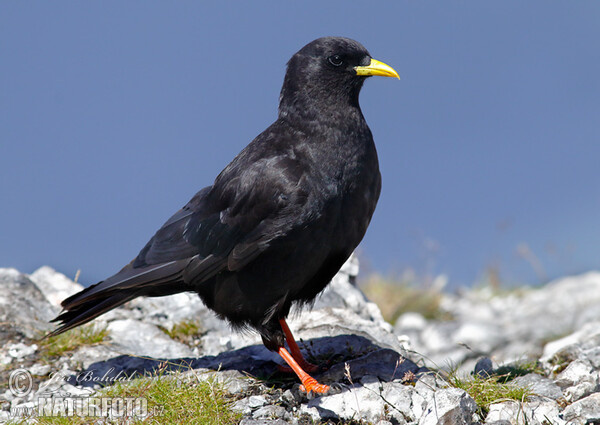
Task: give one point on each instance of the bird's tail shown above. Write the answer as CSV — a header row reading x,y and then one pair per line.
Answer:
x,y
74,315
129,283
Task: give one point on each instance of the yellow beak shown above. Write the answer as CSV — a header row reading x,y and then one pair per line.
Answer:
x,y
376,68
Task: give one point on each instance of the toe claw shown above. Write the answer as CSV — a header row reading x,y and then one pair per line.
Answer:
x,y
335,388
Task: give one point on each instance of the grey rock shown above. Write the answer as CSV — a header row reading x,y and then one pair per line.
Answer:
x,y
411,321
20,350
581,390
583,411
508,325
54,285
242,407
449,406
328,322
263,422
576,361
288,396
89,355
539,385
575,372
537,412
144,339
380,401
233,381
39,369
23,307
256,401
269,412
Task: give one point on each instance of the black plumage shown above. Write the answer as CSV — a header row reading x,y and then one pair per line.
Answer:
x,y
280,220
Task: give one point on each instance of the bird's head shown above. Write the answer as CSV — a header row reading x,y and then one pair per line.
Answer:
x,y
328,71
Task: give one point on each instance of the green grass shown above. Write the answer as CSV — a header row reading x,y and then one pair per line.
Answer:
x,y
395,298
186,331
487,391
171,400
90,334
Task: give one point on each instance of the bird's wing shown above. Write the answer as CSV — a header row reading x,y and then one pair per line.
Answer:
x,y
223,227
260,203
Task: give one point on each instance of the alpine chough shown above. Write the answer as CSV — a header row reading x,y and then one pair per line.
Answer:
x,y
279,221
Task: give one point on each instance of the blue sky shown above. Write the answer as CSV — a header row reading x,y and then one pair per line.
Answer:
x,y
113,114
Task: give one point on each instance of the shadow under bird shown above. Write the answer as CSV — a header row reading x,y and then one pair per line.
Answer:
x,y
279,221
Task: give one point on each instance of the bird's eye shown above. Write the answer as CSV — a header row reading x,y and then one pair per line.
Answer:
x,y
336,60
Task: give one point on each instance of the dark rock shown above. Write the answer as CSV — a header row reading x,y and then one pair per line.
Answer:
x,y
483,368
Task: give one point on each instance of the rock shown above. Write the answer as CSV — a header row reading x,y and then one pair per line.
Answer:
x,y
20,350
327,322
373,402
263,422
411,321
580,390
583,343
54,285
384,364
449,406
23,308
584,411
269,412
380,380
576,371
483,368
39,369
242,407
539,385
256,401
509,325
144,339
538,411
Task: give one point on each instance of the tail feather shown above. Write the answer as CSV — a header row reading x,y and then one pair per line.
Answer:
x,y
89,310
129,279
102,297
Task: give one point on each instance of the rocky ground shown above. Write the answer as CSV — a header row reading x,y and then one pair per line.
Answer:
x,y
387,374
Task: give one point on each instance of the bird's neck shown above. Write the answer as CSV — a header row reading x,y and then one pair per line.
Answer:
x,y
320,112
318,101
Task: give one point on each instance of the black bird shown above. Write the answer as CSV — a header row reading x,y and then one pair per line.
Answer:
x,y
279,221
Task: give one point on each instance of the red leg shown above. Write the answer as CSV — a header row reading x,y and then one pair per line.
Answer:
x,y
309,383
295,350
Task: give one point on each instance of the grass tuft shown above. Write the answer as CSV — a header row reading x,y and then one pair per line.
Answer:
x,y
171,400
90,334
487,391
186,331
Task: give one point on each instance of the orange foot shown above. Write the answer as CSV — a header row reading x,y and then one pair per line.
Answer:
x,y
311,385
